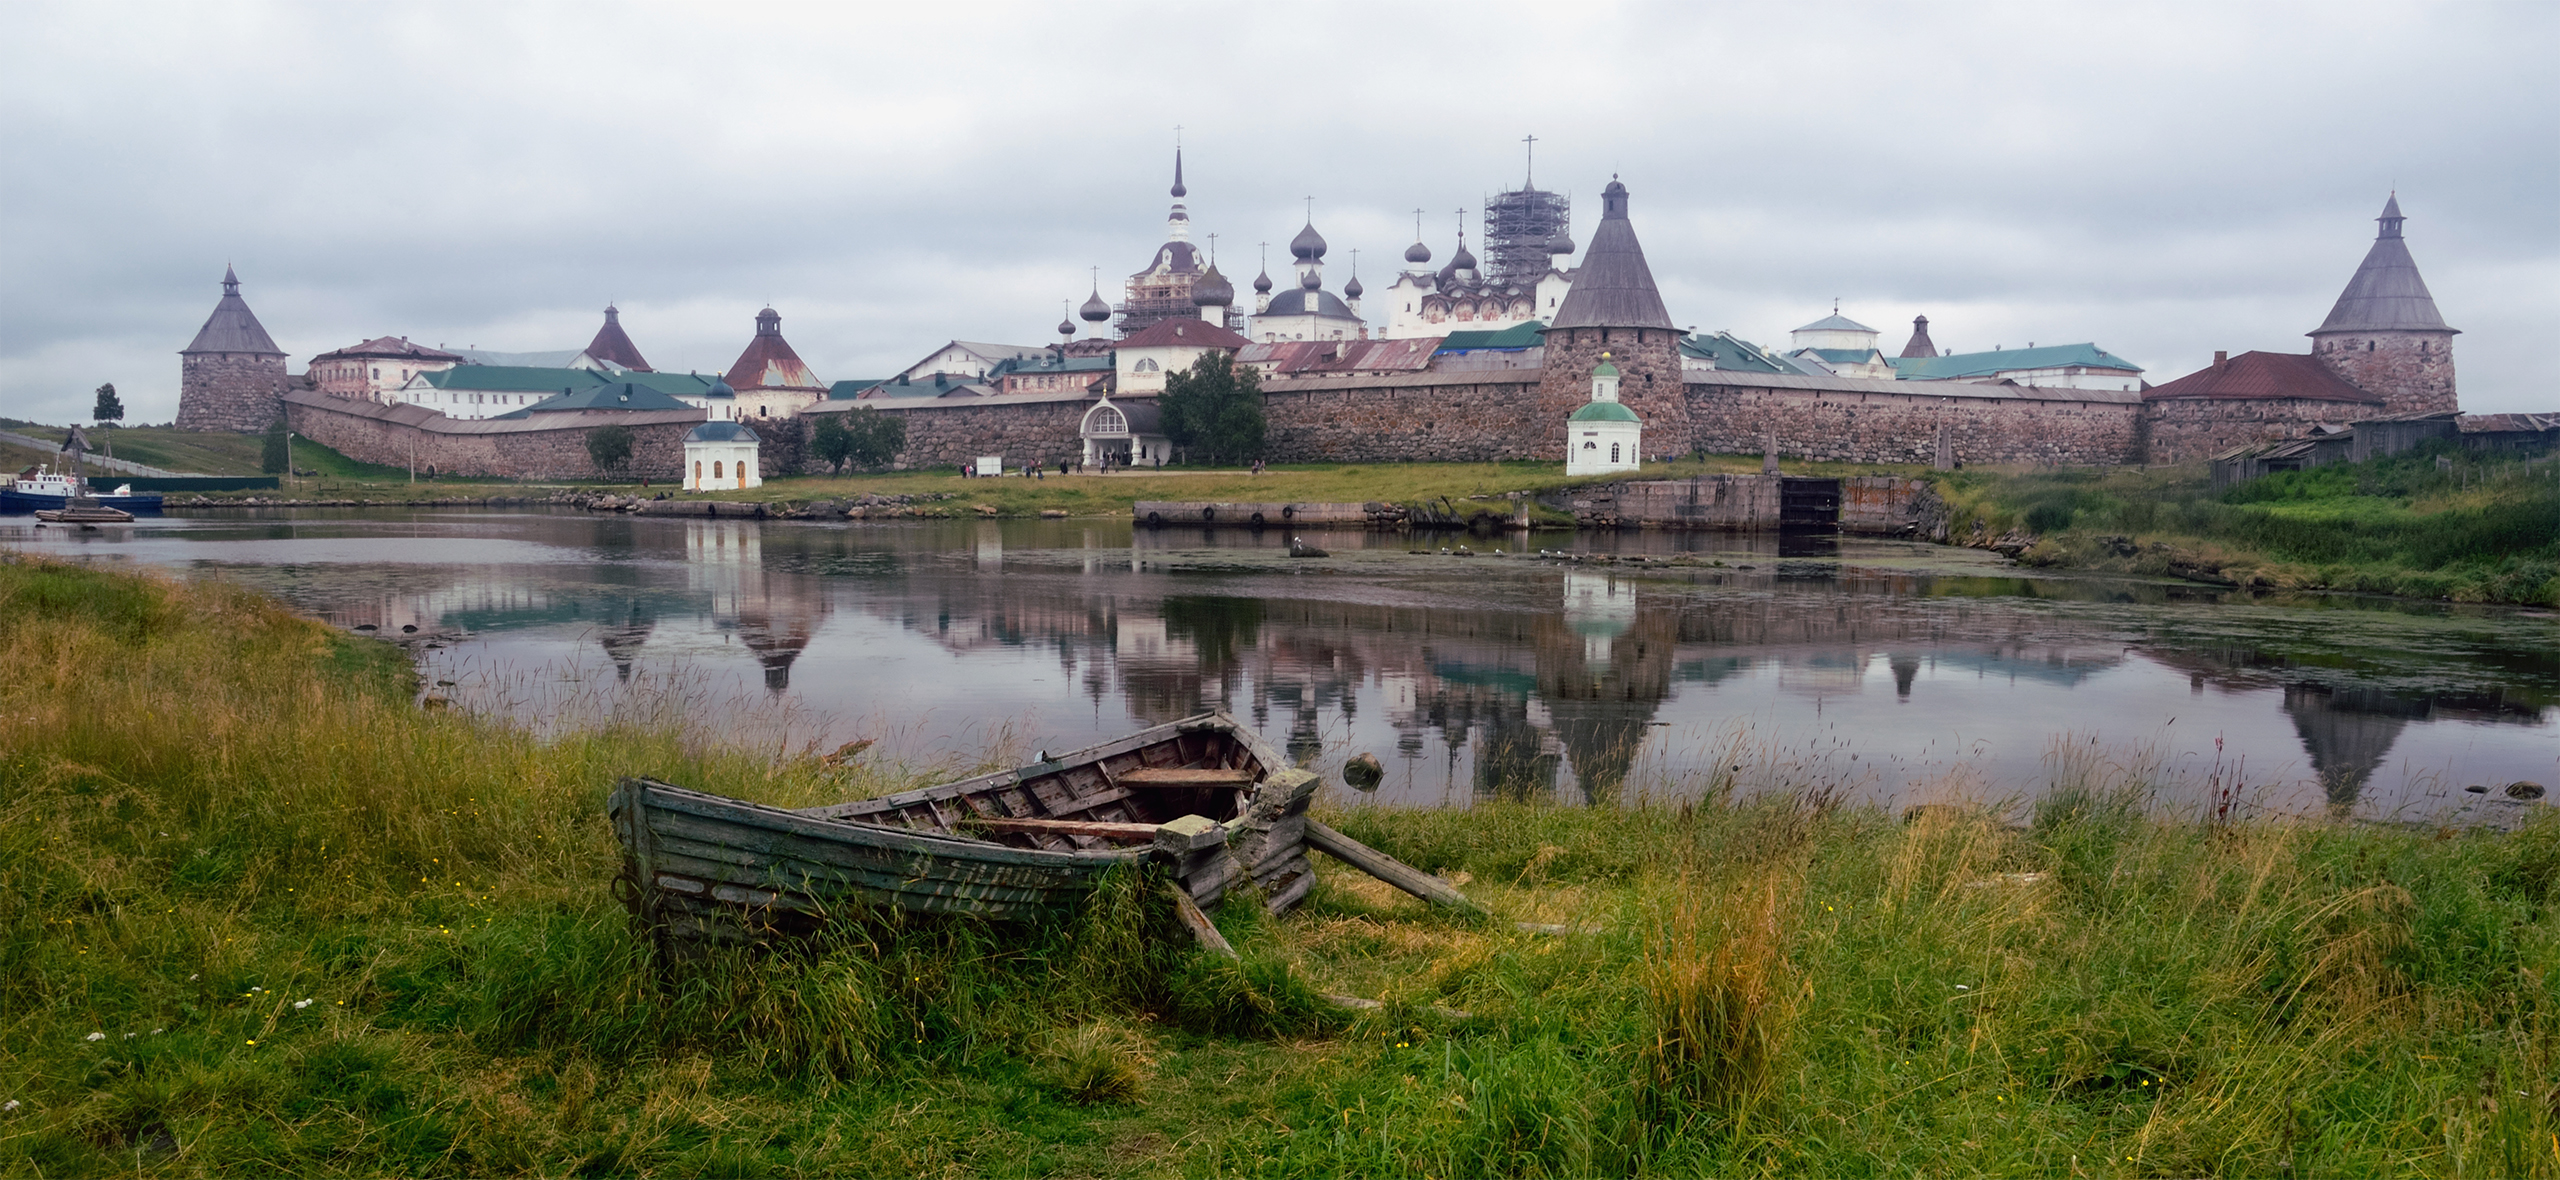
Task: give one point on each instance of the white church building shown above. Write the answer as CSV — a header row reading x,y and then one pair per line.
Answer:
x,y
721,457
1604,436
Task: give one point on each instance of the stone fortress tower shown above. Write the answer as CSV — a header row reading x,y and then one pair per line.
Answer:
x,y
233,376
2385,336
1614,308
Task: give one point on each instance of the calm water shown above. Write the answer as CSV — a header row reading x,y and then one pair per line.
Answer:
x,y
1880,670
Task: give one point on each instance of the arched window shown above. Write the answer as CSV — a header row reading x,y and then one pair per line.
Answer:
x,y
697,471
1147,365
1591,446
1107,420
1613,452
715,469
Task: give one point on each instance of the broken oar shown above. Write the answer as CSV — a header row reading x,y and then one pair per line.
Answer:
x,y
1387,868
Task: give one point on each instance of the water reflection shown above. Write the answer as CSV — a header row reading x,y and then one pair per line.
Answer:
x,y
1470,677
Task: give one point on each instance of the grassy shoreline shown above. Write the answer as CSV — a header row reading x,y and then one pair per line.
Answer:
x,y
212,811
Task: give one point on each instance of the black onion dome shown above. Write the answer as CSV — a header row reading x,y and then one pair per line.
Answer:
x,y
1417,253
1262,283
1464,260
1352,289
1308,246
1094,310
1212,289
1311,281
1562,243
1066,327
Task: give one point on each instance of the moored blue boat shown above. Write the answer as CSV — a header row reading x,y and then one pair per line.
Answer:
x,y
41,487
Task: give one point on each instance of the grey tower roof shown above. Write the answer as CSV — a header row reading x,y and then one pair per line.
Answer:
x,y
2386,293
233,327
1613,288
1920,345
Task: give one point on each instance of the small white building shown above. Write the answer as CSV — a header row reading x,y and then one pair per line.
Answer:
x,y
721,457
1603,436
1841,347
1124,434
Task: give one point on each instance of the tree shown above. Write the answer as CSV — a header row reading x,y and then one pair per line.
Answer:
x,y
108,409
1213,410
610,448
832,443
273,455
873,436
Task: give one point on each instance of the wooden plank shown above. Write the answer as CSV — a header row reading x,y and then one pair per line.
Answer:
x,y
1217,722
1187,778
751,816
891,850
1288,896
759,856
1386,868
1069,827
1202,929
1085,804
811,890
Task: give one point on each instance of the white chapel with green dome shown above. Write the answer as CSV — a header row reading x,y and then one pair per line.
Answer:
x,y
1603,436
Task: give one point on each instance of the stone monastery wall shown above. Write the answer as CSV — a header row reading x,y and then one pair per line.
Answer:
x,y
1853,421
550,446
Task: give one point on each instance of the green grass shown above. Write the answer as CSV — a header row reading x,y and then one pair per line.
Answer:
x,y
2483,528
211,811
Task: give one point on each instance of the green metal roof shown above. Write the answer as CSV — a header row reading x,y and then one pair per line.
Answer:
x,y
621,395
679,384
1730,354
517,379
1604,369
848,390
1845,356
1524,334
1604,412
1984,364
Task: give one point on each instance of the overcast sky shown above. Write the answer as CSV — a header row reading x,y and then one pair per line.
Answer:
x,y
2164,180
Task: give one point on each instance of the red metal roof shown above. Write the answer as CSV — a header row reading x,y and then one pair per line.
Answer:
x,y
1196,333
1324,358
388,347
614,344
769,363
2263,375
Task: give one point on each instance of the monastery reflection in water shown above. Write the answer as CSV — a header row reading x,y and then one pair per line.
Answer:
x,y
1547,681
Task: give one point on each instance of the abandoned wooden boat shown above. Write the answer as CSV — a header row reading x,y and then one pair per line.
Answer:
x,y
1204,798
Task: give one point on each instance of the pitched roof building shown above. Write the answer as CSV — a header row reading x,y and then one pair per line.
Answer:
x,y
2259,376
2384,334
376,367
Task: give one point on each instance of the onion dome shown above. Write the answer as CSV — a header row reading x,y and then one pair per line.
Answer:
x,y
1094,310
1311,280
1066,327
1562,243
719,388
1308,246
1464,260
1262,282
1352,289
1212,289
1417,253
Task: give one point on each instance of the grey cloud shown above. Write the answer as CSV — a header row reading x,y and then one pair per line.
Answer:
x,y
2164,179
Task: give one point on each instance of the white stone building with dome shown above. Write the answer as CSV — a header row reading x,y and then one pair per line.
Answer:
x,y
1604,436
721,457
1462,296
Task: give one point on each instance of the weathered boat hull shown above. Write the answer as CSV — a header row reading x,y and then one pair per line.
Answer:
x,y
1204,800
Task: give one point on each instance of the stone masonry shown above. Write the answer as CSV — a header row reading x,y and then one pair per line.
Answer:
x,y
2410,371
541,446
235,391
1649,382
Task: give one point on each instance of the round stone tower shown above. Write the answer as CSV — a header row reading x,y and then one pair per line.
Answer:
x,y
233,377
1614,308
2384,336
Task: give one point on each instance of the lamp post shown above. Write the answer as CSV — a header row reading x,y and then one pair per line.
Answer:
x,y
288,457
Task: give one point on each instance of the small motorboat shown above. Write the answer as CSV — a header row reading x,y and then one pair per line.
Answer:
x,y
1204,800
84,510
39,488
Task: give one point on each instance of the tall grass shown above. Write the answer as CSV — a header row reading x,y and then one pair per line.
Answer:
x,y
2435,522
212,812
